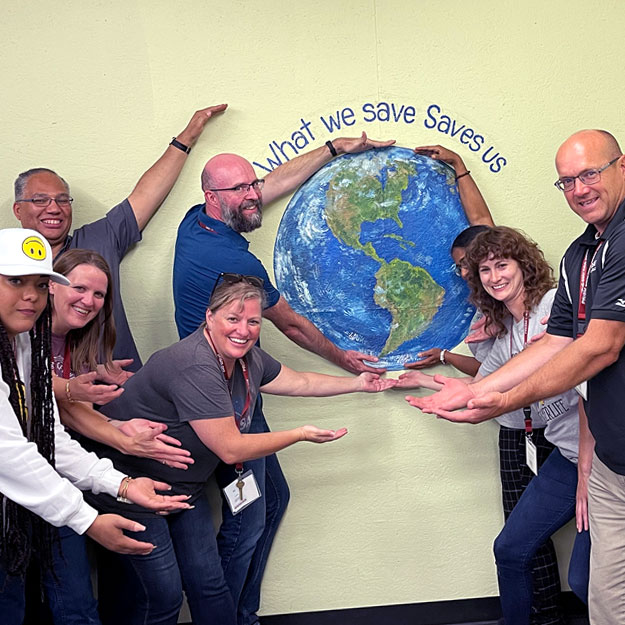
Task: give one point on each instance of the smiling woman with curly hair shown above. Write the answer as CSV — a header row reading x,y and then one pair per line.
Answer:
x,y
502,243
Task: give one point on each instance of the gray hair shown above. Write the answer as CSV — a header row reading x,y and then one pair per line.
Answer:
x,y
23,178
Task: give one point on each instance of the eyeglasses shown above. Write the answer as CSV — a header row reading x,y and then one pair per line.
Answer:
x,y
235,278
590,176
62,201
457,268
244,187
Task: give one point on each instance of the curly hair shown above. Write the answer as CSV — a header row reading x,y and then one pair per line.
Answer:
x,y
25,533
503,242
95,341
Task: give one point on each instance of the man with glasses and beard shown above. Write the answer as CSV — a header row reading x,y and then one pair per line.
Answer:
x,y
209,244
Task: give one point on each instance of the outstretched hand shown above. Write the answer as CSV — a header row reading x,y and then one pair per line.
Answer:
x,y
345,145
313,434
107,529
83,388
373,383
455,394
116,373
142,491
146,440
414,379
479,409
480,332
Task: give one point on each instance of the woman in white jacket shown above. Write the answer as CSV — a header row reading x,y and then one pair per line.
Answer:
x,y
36,454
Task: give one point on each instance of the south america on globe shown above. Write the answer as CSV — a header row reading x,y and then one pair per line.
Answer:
x,y
363,252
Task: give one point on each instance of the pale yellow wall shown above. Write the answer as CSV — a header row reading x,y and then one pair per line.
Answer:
x,y
406,507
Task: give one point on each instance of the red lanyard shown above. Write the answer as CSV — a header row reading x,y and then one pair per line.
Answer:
x,y
527,411
67,371
208,228
246,377
583,287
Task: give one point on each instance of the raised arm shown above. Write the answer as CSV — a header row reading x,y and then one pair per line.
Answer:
x,y
153,187
288,176
471,198
306,335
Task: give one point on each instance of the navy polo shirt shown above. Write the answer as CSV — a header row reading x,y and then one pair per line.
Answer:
x,y
205,248
605,299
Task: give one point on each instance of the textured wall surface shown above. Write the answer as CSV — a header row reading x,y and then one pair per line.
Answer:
x,y
405,508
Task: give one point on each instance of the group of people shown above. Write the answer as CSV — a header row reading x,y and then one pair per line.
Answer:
x,y
195,408
581,349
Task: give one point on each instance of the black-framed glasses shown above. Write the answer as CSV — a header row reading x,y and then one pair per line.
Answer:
x,y
244,187
590,176
235,278
62,201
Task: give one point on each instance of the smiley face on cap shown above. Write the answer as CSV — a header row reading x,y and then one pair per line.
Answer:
x,y
34,248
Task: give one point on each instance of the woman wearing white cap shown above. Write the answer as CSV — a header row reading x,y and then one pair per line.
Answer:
x,y
35,451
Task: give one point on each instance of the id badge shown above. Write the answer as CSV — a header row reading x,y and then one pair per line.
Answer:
x,y
242,492
531,456
582,390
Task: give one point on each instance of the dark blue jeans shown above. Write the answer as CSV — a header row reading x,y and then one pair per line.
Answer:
x,y
546,505
245,539
69,592
185,557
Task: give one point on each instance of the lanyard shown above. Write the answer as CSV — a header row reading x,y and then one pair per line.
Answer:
x,y
584,274
67,371
207,228
246,377
527,411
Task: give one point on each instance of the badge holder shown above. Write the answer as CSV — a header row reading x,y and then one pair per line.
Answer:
x,y
531,454
243,491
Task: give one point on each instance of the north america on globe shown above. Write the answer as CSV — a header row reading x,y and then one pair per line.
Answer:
x,y
363,252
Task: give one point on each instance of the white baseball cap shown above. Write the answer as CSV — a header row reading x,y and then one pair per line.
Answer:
x,y
25,252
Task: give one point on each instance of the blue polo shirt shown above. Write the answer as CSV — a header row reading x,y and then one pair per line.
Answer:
x,y
605,299
205,248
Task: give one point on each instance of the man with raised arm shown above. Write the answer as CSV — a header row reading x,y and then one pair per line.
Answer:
x,y
583,348
210,243
43,203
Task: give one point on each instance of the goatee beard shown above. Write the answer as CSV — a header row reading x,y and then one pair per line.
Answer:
x,y
240,222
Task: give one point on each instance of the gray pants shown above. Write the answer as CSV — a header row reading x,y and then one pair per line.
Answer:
x,y
606,509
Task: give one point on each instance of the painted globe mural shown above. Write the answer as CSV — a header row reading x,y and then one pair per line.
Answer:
x,y
363,252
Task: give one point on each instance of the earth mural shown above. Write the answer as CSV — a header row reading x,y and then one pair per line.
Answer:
x,y
363,252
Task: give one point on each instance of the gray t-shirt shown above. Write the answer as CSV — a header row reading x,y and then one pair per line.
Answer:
x,y
179,384
558,415
480,350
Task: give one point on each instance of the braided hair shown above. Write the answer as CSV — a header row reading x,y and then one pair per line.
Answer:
x,y
24,533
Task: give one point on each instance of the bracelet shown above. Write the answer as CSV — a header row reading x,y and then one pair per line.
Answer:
x,y
332,149
68,392
123,490
181,146
466,173
442,356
